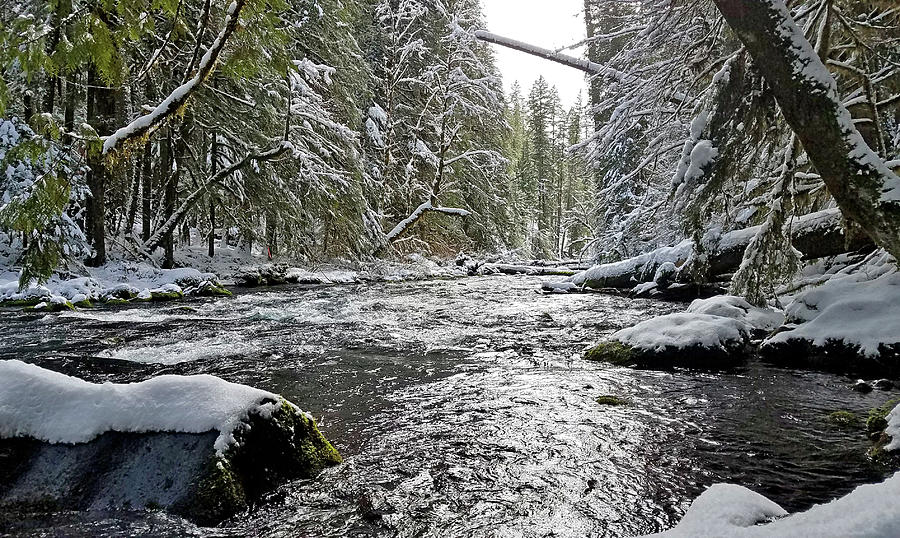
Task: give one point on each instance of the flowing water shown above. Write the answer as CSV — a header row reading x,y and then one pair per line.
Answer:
x,y
463,408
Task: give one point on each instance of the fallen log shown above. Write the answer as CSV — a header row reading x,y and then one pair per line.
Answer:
x,y
815,235
510,269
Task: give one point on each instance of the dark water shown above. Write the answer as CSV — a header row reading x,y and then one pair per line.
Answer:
x,y
463,408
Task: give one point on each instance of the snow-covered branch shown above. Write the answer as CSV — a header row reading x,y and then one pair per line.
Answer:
x,y
149,122
404,224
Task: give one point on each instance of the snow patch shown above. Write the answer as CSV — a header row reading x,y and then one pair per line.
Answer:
x,y
682,331
861,309
734,511
730,306
57,408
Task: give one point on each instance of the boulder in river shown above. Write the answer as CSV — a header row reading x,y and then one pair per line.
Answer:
x,y
677,340
851,323
197,446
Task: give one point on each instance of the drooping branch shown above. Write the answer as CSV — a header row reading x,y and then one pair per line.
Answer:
x,y
188,203
151,121
865,189
404,224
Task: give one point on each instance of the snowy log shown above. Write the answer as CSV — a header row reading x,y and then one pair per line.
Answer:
x,y
511,269
815,235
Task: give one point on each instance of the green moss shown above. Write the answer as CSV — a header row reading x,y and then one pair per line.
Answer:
x,y
877,419
612,352
268,451
165,295
113,301
84,304
16,303
220,493
608,399
210,289
844,419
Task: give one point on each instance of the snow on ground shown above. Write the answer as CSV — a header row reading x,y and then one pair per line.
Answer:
x,y
681,331
726,510
56,408
861,308
136,278
729,306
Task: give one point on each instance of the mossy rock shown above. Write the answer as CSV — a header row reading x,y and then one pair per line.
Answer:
x,y
714,358
178,472
19,303
268,451
612,352
86,303
608,399
881,456
876,422
114,301
50,307
158,296
844,419
122,293
211,289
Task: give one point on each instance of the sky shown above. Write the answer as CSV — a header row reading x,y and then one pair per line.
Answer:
x,y
550,25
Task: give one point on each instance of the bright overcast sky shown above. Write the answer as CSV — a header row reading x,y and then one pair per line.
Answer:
x,y
551,25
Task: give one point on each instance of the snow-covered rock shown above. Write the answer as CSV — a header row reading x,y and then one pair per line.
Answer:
x,y
116,281
893,429
726,510
238,442
758,319
683,339
851,322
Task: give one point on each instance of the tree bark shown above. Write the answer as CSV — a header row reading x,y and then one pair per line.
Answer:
x,y
865,189
102,117
214,169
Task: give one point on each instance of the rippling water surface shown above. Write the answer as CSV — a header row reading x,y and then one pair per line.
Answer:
x,y
463,408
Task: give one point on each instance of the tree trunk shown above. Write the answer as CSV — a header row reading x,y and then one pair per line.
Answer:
x,y
102,117
865,189
146,191
214,169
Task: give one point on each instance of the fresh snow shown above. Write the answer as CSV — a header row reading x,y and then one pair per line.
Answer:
x,y
644,263
682,330
893,429
139,278
726,510
56,408
861,308
729,306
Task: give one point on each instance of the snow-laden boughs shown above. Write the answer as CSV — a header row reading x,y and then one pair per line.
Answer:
x,y
730,174
40,186
437,122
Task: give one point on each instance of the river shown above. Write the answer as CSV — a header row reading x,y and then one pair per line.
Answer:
x,y
463,408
